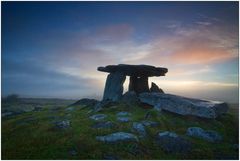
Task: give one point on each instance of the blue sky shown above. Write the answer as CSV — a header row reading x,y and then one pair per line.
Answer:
x,y
52,49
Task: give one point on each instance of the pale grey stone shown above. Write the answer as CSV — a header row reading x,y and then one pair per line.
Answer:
x,y
98,117
183,105
208,135
116,137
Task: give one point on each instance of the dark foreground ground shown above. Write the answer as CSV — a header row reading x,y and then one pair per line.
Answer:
x,y
34,134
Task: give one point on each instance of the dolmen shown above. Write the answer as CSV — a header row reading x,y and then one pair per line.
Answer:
x,y
138,79
153,96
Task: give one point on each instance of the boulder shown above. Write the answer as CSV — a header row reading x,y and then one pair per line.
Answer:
x,y
172,143
139,128
98,117
85,102
130,98
208,135
155,88
114,86
135,70
184,106
117,137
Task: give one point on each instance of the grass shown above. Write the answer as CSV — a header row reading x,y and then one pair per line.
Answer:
x,y
33,135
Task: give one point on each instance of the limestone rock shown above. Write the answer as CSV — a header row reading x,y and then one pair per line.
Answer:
x,y
138,84
183,105
123,113
130,98
155,88
123,119
98,117
209,135
139,128
116,137
172,143
149,123
135,70
64,124
114,86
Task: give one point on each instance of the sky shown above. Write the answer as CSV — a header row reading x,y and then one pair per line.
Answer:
x,y
53,49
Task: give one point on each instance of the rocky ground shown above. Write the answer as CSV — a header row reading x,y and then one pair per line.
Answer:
x,y
51,129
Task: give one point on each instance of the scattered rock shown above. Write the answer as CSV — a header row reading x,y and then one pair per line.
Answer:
x,y
101,125
183,105
98,117
172,143
208,135
139,128
155,88
63,124
149,123
70,109
123,113
123,119
85,102
130,98
116,137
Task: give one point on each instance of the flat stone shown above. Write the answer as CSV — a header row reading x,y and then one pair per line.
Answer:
x,y
124,113
149,123
183,105
117,137
101,125
172,143
64,124
98,117
135,70
123,119
139,128
208,135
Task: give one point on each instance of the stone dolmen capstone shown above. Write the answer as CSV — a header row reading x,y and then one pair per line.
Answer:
x,y
138,79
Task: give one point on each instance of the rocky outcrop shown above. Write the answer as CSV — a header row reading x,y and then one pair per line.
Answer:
x,y
172,143
114,86
155,88
130,98
208,135
183,105
85,102
117,137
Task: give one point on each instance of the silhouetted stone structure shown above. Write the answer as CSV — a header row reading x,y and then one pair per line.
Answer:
x,y
138,79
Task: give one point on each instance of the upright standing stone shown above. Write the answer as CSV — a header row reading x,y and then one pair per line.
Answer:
x,y
138,84
114,86
155,88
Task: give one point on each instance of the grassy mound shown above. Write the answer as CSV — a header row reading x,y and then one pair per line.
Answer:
x,y
33,135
